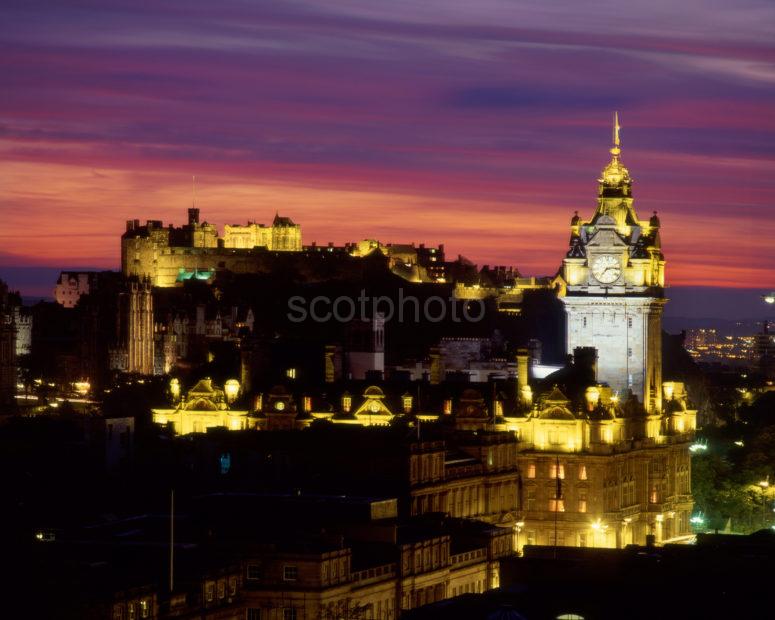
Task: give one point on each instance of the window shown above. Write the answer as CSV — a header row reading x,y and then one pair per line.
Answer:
x,y
130,610
221,589
556,505
554,472
582,503
254,613
290,573
531,470
232,586
210,592
585,322
531,499
145,608
118,612
582,472
254,574
629,321
289,613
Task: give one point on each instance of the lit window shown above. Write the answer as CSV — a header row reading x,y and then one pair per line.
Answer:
x,y
210,592
556,505
232,586
554,472
145,608
253,572
290,573
291,373
531,470
582,472
582,501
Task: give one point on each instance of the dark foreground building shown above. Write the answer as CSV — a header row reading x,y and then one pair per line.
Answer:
x,y
722,576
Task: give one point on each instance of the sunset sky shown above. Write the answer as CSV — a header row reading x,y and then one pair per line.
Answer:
x,y
480,124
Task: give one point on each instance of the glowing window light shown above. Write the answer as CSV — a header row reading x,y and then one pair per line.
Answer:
x,y
231,389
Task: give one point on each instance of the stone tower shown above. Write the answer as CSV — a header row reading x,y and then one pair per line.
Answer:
x,y
137,326
613,288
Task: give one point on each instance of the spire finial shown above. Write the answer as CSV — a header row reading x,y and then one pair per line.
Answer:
x,y
617,127
193,191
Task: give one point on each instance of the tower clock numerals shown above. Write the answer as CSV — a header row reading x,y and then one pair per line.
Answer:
x,y
606,269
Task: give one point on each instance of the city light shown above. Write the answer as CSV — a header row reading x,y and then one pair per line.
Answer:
x,y
769,298
698,446
231,389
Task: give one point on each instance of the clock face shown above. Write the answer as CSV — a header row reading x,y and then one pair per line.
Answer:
x,y
279,405
606,269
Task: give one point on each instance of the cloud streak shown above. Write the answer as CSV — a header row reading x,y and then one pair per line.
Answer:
x,y
481,125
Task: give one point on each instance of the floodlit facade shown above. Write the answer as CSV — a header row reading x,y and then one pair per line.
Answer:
x,y
613,279
204,406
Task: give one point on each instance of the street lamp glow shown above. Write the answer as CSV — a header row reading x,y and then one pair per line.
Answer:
x,y
698,447
231,389
769,298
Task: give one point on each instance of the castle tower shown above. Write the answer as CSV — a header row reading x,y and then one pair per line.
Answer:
x,y
614,287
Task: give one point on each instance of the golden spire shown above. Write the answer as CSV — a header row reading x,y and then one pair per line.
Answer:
x,y
616,150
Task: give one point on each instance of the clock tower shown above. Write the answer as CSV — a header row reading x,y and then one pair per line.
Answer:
x,y
613,279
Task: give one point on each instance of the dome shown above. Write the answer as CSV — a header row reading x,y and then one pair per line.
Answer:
x,y
615,173
374,391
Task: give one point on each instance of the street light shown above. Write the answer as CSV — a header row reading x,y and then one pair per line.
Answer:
x,y
518,528
599,528
769,298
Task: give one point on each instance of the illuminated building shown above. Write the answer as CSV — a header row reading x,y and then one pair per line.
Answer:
x,y
612,283
168,256
204,406
603,449
22,320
